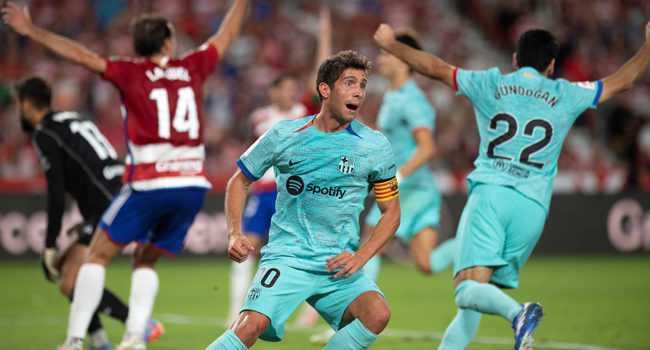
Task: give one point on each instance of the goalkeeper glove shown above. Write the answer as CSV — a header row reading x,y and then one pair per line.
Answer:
x,y
48,261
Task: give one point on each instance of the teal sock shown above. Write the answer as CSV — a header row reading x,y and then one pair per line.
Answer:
x,y
443,256
227,341
487,299
372,267
354,336
461,330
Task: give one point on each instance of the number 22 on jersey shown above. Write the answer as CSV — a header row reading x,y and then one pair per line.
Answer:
x,y
186,118
512,130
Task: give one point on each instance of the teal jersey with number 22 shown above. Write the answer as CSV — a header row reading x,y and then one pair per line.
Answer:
x,y
523,119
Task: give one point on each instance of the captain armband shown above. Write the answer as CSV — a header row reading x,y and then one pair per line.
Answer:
x,y
386,190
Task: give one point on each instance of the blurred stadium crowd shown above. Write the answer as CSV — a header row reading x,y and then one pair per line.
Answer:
x,y
610,144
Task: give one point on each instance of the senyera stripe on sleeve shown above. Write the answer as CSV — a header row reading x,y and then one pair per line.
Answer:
x,y
386,190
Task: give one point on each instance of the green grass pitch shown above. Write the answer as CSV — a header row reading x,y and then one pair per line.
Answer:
x,y
602,301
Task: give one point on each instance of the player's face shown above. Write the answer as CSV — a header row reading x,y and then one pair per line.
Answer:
x,y
347,95
286,93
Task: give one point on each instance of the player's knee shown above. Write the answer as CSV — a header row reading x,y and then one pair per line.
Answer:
x,y
248,327
424,267
376,319
66,286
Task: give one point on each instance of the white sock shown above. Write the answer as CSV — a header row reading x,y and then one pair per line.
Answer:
x,y
144,288
88,292
240,280
98,338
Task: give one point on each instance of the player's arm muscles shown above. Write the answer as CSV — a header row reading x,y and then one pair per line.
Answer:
x,y
422,62
230,27
236,193
71,50
425,150
324,46
627,75
385,229
52,162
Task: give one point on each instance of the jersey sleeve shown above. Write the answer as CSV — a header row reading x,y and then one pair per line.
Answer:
x,y
260,156
49,153
202,60
419,116
384,167
584,95
117,72
471,83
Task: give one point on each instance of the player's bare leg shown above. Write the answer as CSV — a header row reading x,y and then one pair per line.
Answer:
x,y
248,326
144,288
367,315
430,257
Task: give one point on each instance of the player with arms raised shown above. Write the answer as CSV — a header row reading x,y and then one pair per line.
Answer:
x,y
325,167
523,118
164,180
408,119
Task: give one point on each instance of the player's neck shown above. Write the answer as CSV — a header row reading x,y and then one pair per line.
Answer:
x,y
398,80
159,59
327,123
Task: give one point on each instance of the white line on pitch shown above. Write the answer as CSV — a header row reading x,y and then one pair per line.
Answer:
x,y
218,321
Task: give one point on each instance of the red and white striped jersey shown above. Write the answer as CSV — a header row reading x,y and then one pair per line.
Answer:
x,y
262,119
161,106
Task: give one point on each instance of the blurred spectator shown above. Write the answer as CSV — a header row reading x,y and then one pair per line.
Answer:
x,y
596,37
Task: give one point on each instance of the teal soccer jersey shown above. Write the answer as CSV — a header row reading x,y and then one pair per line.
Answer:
x,y
522,119
323,180
403,112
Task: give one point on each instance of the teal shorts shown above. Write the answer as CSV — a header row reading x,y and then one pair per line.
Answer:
x,y
499,227
278,290
420,209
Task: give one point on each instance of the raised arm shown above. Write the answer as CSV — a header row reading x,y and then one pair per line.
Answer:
x,y
236,192
627,75
71,50
422,62
424,151
230,27
324,45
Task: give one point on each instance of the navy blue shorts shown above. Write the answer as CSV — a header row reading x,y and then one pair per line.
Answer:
x,y
258,212
159,217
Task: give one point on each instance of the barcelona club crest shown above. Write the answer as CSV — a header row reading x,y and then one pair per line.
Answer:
x,y
346,164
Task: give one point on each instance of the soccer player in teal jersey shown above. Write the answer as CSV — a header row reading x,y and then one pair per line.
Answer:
x,y
407,120
325,166
523,118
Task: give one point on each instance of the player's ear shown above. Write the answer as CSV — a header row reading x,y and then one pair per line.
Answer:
x,y
324,90
551,67
514,61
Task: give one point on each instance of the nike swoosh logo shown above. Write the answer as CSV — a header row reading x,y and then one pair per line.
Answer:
x,y
292,163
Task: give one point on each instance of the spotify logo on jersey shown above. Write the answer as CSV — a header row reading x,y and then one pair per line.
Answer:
x,y
295,185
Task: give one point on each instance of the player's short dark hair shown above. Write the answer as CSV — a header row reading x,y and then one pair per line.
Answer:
x,y
282,77
333,67
409,37
35,90
149,33
536,48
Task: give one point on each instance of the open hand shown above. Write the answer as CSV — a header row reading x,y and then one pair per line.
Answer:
x,y
18,19
239,247
351,263
384,36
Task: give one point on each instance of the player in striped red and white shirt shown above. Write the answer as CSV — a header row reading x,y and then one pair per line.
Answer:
x,y
164,183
